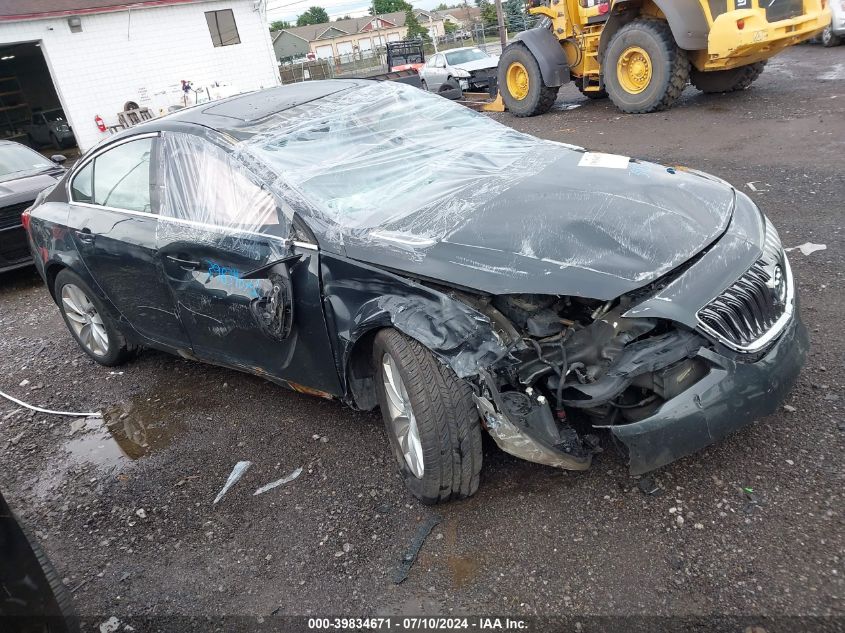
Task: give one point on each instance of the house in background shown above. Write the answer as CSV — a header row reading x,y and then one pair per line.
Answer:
x,y
462,17
93,57
354,38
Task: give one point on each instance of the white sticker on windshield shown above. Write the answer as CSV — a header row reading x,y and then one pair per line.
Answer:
x,y
600,159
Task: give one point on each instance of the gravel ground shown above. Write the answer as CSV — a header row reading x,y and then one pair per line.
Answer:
x,y
124,507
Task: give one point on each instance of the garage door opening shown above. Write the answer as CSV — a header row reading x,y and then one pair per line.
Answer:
x,y
30,110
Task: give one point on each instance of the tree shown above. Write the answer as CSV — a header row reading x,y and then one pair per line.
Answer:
x,y
388,6
441,7
514,14
345,17
314,15
278,25
488,13
416,31
449,27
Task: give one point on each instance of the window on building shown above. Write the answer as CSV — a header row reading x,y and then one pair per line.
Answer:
x,y
221,24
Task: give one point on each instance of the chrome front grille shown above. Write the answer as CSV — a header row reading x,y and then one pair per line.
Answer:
x,y
751,313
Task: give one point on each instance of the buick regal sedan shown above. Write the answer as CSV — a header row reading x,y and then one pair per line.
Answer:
x,y
381,245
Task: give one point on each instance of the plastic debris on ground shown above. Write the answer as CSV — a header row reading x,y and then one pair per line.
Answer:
x,y
808,248
410,555
237,472
31,407
279,482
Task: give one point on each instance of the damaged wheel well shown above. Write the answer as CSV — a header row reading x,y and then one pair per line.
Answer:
x,y
50,273
360,372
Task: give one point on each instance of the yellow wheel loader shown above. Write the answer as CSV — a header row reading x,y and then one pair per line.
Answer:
x,y
642,53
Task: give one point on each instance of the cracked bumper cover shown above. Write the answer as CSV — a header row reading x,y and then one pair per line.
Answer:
x,y
730,397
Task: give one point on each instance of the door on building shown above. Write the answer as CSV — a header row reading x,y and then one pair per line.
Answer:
x,y
344,51
324,52
365,46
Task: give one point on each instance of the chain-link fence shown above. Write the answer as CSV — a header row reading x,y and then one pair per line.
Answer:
x,y
365,63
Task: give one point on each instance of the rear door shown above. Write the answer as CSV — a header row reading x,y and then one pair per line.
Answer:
x,y
113,218
248,296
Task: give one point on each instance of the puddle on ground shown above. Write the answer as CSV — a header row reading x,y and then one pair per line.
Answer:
x,y
130,430
463,569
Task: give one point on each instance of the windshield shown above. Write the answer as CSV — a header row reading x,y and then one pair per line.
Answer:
x,y
19,160
372,155
52,116
466,55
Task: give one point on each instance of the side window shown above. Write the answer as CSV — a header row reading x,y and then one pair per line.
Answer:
x,y
204,183
82,187
122,176
118,178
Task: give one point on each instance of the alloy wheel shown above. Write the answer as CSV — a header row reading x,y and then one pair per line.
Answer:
x,y
84,319
403,424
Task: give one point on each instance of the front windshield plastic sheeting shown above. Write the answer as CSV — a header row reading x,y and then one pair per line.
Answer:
x,y
389,157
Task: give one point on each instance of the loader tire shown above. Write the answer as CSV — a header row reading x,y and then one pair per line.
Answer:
x,y
644,69
430,418
521,83
727,80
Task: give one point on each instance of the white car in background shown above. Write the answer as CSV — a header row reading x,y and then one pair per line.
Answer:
x,y
835,31
467,68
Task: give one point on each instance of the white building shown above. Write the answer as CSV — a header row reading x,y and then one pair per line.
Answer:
x,y
92,57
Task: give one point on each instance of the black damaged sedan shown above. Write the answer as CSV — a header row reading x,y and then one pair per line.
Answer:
x,y
377,244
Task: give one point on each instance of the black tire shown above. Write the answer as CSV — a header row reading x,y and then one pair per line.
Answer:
x,y
540,97
669,67
423,85
452,87
828,39
64,618
727,80
119,350
446,417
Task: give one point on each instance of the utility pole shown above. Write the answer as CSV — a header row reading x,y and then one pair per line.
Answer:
x,y
503,32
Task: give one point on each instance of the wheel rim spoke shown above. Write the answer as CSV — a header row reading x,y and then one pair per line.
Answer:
x,y
84,320
403,424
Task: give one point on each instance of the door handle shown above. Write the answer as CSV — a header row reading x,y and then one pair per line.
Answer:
x,y
187,264
85,236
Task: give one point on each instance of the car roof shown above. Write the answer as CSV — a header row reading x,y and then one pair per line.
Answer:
x,y
228,115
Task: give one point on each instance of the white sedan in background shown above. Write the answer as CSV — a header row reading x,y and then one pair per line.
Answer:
x,y
468,68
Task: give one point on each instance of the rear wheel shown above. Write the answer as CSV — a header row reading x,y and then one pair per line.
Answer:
x,y
644,70
727,80
829,39
521,83
88,322
430,418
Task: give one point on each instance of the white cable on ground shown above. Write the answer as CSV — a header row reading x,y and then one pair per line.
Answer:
x,y
40,410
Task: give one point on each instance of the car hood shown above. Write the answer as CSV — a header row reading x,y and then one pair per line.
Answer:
x,y
478,64
21,188
595,232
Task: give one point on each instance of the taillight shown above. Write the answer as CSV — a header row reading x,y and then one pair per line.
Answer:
x,y
25,217
740,24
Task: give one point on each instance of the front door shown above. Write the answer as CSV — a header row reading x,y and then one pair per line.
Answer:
x,y
113,218
246,295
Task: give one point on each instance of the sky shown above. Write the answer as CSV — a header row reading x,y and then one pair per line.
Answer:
x,y
289,9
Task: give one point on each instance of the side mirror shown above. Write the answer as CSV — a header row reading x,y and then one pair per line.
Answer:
x,y
58,158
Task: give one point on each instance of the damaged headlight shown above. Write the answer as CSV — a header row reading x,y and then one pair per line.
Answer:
x,y
461,73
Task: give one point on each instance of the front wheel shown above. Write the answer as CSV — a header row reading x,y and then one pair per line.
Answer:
x,y
88,322
644,69
829,39
521,83
730,80
430,418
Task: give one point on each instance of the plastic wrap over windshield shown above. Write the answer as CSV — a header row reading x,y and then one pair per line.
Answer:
x,y
368,157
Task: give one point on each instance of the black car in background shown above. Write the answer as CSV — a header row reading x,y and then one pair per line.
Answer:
x,y
24,173
379,244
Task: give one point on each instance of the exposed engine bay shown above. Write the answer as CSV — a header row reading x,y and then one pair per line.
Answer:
x,y
577,364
